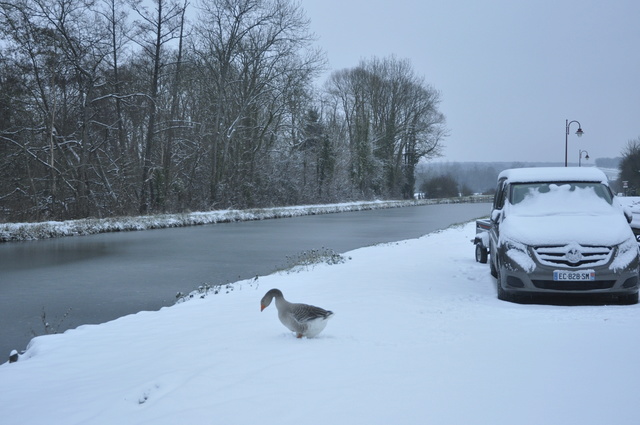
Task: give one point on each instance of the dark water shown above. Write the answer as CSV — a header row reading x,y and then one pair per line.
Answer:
x,y
94,279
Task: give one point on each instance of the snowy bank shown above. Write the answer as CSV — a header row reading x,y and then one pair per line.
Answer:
x,y
418,337
51,229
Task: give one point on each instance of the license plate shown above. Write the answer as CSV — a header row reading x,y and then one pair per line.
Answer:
x,y
583,275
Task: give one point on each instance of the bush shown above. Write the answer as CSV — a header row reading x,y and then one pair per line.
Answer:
x,y
444,186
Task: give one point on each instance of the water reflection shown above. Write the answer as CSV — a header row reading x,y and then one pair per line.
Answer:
x,y
52,252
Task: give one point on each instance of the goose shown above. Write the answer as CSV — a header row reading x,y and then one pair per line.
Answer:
x,y
303,319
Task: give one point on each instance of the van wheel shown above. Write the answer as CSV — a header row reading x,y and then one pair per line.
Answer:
x,y
481,254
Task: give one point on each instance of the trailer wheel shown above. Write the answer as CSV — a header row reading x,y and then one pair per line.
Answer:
x,y
481,254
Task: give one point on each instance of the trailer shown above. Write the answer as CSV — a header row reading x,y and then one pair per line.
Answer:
x,y
481,240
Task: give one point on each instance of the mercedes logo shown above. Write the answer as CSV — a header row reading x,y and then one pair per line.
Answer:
x,y
574,256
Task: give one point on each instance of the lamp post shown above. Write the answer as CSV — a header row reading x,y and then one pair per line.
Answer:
x,y
566,138
580,152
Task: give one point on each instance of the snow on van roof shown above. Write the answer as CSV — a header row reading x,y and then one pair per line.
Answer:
x,y
554,174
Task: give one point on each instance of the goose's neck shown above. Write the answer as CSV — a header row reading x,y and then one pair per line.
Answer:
x,y
281,302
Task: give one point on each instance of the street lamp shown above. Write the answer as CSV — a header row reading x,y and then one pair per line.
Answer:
x,y
580,156
566,138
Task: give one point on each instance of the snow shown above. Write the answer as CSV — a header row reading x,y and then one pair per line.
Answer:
x,y
553,174
418,337
562,212
563,215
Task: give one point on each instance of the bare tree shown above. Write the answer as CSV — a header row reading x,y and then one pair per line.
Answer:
x,y
107,107
62,49
256,55
392,120
157,28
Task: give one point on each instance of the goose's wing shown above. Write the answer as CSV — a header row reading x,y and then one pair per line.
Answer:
x,y
303,313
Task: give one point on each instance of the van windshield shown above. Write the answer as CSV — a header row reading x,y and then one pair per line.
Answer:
x,y
521,191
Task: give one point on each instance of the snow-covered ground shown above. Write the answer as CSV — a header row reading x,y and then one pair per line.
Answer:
x,y
418,337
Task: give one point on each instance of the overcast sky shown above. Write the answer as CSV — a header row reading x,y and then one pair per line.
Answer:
x,y
510,72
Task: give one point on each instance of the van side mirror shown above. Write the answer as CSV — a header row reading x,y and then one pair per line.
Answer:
x,y
495,215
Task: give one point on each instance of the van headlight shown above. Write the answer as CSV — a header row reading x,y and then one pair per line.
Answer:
x,y
625,256
518,254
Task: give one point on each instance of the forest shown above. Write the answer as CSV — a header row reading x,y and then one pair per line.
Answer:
x,y
121,107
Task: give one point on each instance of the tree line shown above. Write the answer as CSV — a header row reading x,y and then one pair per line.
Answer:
x,y
448,179
108,107
629,179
